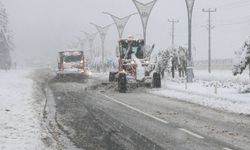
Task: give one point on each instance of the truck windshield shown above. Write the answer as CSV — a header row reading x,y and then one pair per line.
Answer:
x,y
72,58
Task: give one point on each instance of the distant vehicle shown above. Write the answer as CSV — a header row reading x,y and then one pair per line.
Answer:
x,y
134,66
71,63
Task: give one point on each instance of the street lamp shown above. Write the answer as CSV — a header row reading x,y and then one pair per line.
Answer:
x,y
190,73
81,42
102,32
120,22
144,11
90,38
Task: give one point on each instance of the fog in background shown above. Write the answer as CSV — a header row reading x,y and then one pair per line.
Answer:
x,y
41,28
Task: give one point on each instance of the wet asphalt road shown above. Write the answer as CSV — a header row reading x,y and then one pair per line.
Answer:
x,y
98,118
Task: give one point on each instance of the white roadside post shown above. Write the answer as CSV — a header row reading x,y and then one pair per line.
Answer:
x,y
190,73
120,22
186,85
102,32
216,87
144,11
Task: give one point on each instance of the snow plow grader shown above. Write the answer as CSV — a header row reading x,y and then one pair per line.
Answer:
x,y
134,67
71,66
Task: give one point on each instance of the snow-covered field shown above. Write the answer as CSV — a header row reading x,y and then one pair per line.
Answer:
x,y
222,75
20,122
203,91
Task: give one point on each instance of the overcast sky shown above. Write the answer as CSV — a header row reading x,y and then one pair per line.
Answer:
x,y
43,27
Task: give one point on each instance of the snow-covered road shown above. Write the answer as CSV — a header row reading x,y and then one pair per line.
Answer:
x,y
99,117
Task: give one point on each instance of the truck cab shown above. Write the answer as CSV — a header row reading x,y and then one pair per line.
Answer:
x,y
71,63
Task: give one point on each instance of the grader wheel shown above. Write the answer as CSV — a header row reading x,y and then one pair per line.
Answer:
x,y
122,83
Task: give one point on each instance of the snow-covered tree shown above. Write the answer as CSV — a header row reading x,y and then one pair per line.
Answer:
x,y
6,44
173,59
242,58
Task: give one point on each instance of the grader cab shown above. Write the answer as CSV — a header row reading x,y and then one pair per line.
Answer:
x,y
134,66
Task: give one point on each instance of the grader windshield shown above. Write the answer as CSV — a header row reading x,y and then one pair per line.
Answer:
x,y
129,47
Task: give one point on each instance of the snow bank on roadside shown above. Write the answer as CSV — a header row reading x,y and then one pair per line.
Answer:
x,y
19,125
226,97
223,76
213,101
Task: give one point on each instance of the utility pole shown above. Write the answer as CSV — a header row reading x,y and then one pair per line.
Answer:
x,y
173,29
209,27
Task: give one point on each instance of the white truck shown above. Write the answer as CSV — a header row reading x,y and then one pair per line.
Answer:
x,y
71,64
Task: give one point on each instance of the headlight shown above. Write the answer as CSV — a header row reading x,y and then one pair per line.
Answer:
x,y
132,62
146,62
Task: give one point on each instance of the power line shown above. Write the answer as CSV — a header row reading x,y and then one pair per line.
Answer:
x,y
209,27
234,20
239,2
235,23
220,23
